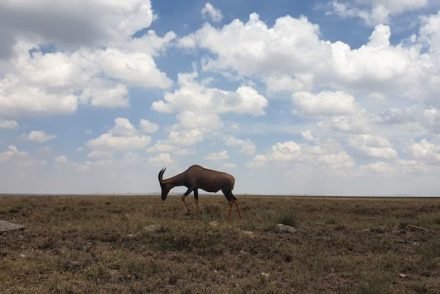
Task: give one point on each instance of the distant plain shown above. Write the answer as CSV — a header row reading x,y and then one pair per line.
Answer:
x,y
102,244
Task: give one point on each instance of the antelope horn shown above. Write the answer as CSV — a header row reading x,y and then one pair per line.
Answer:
x,y
160,176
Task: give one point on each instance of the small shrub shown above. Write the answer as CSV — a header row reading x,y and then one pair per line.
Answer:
x,y
428,219
403,225
339,228
115,210
173,279
331,221
14,210
97,273
286,218
378,230
418,287
46,243
372,284
168,242
370,288
431,249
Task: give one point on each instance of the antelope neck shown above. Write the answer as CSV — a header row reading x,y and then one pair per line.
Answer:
x,y
178,180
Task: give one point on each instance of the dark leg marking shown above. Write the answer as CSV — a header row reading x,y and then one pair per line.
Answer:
x,y
196,200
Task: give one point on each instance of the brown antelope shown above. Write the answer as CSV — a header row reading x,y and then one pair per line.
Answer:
x,y
197,177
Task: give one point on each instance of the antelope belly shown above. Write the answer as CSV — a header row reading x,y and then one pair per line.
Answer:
x,y
210,189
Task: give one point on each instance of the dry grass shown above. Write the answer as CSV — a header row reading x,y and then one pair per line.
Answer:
x,y
99,245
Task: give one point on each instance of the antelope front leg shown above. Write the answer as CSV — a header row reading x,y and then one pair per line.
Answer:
x,y
229,210
238,208
186,205
184,202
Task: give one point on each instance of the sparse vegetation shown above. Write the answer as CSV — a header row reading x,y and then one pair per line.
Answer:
x,y
101,244
286,217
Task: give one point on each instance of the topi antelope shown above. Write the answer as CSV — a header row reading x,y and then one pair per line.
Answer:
x,y
197,177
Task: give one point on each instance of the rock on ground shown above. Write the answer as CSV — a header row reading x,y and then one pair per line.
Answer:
x,y
214,223
285,228
249,233
6,226
153,228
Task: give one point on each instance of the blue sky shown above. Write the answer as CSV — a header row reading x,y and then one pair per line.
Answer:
x,y
291,97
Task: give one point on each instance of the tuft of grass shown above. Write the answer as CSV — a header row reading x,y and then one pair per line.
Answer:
x,y
339,228
286,218
331,221
212,211
373,283
431,249
402,225
377,230
98,273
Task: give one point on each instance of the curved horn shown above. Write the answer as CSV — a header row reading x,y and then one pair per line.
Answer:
x,y
160,176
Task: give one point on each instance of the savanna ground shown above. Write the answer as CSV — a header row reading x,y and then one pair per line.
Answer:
x,y
100,245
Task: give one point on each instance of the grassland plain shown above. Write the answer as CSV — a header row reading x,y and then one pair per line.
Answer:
x,y
100,245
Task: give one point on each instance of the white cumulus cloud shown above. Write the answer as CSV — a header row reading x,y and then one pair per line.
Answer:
x,y
122,137
292,56
280,152
425,151
245,146
198,108
285,151
148,126
39,136
212,13
95,67
378,167
18,99
374,11
324,103
218,156
73,24
373,146
8,124
161,159
196,97
10,153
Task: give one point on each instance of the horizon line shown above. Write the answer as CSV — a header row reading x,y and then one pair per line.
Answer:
x,y
21,194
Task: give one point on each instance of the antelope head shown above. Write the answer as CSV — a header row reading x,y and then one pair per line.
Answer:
x,y
165,188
